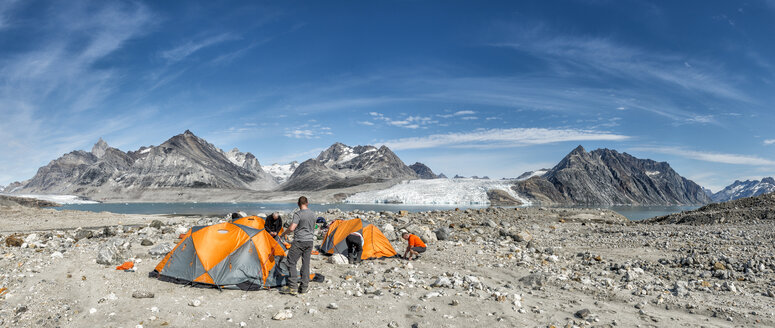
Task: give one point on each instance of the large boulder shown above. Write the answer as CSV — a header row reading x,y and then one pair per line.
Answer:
x,y
423,232
161,249
114,251
337,259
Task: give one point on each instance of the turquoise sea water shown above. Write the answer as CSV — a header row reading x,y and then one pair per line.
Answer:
x,y
220,209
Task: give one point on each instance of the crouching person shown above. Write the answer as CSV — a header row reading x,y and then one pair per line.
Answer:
x,y
354,247
415,246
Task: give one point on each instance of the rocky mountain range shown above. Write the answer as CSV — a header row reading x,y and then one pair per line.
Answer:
x,y
607,177
747,188
183,161
342,166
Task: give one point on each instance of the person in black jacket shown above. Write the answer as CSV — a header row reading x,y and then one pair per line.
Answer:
x,y
273,224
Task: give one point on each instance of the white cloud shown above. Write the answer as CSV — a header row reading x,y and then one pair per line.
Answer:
x,y
307,131
769,141
458,113
367,123
184,50
501,138
709,156
408,122
469,118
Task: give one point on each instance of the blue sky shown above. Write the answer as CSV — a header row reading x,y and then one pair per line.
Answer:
x,y
468,88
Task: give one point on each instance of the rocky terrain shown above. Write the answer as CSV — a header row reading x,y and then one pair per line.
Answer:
x,y
741,189
605,176
741,211
28,202
342,166
497,267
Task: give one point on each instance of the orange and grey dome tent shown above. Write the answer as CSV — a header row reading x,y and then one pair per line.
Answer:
x,y
225,254
255,222
375,244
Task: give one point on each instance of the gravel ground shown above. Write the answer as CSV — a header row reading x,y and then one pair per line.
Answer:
x,y
496,267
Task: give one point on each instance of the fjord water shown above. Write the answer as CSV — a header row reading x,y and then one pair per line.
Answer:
x,y
219,209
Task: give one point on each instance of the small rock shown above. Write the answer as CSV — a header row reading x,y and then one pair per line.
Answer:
x,y
338,259
161,249
523,236
57,255
719,266
14,241
146,242
156,224
442,234
583,313
332,306
84,234
392,324
195,302
143,294
92,311
283,315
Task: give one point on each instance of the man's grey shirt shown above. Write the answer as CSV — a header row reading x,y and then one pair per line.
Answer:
x,y
305,220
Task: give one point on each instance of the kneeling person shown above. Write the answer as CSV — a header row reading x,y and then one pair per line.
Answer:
x,y
354,247
415,247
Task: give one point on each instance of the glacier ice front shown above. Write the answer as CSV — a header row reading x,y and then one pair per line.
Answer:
x,y
436,192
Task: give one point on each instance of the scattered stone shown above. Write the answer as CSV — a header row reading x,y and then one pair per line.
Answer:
x,y
283,315
338,259
113,251
195,302
144,294
84,234
146,242
156,224
332,306
161,249
57,255
583,313
14,241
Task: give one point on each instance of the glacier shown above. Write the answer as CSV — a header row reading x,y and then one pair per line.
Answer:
x,y
61,199
461,191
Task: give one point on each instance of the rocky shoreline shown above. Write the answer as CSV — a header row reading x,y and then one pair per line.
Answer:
x,y
536,267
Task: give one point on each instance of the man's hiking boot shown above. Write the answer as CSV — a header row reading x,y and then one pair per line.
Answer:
x,y
303,290
288,291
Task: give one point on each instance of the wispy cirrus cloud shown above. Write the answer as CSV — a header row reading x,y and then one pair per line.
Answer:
x,y
458,113
308,131
769,141
184,50
407,121
501,138
714,157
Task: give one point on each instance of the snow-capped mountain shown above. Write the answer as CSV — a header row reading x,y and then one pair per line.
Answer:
x,y
2,188
281,172
605,176
183,161
747,188
342,166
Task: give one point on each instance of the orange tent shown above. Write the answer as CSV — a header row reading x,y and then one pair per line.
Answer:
x,y
375,244
225,254
255,222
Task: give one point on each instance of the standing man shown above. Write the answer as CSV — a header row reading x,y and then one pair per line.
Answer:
x,y
354,247
302,226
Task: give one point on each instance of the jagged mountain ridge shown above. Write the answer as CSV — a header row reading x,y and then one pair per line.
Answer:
x,y
183,161
342,166
607,177
748,188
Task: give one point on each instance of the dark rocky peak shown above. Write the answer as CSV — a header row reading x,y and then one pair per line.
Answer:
x,y
423,171
769,180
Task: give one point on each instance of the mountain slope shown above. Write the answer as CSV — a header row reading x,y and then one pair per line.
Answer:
x,y
743,210
183,161
607,177
342,166
747,188
423,171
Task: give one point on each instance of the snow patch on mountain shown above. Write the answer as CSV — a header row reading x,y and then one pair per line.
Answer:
x,y
530,174
747,188
436,192
281,172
